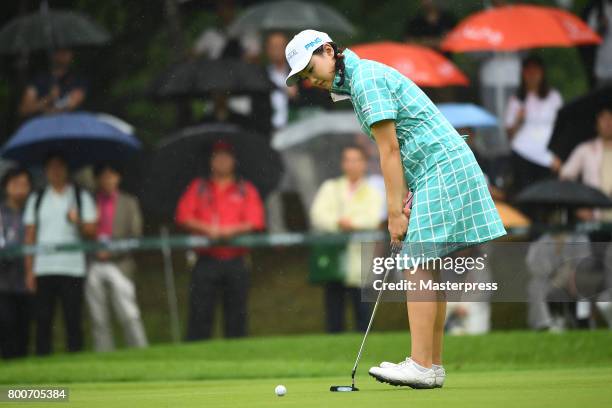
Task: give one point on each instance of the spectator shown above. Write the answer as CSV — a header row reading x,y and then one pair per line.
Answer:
x,y
221,207
59,90
215,43
14,299
598,15
551,260
496,192
471,313
110,276
277,72
222,113
591,162
348,203
530,118
59,213
430,24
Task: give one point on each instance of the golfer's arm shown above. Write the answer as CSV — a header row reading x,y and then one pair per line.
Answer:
x,y
391,165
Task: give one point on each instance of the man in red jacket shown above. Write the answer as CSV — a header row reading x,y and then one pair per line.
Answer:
x,y
222,206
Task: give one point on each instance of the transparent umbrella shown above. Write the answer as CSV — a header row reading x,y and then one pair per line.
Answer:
x,y
49,29
290,15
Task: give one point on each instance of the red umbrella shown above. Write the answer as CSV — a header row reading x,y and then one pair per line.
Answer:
x,y
422,65
515,27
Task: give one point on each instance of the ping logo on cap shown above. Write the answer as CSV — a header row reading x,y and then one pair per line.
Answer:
x,y
292,54
314,42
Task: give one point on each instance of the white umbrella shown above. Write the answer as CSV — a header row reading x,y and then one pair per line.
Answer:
x,y
316,125
311,150
290,15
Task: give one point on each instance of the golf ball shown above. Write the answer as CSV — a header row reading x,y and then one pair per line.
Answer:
x,y
280,390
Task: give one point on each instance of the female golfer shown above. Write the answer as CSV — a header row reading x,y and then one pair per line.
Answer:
x,y
421,151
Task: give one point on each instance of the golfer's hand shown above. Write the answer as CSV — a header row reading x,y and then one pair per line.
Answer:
x,y
398,226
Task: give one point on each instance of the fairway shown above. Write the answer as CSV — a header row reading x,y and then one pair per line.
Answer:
x,y
497,370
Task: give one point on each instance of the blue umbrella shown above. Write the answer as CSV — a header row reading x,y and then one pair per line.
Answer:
x,y
467,115
83,138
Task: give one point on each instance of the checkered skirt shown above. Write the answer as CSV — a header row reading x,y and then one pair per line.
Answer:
x,y
452,207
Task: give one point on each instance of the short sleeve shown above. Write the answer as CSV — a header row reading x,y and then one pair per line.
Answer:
x,y
90,214
373,96
557,100
254,208
186,207
28,215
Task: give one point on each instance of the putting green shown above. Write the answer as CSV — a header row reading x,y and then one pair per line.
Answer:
x,y
530,388
496,370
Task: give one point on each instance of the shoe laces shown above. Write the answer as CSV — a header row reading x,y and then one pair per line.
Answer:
x,y
404,363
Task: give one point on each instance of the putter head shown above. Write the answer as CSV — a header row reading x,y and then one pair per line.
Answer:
x,y
343,388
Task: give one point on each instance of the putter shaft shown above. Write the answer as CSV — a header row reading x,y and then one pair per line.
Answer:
x,y
395,249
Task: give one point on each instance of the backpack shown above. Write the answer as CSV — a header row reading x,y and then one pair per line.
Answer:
x,y
41,192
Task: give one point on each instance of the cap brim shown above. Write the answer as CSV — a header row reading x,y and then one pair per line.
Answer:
x,y
292,78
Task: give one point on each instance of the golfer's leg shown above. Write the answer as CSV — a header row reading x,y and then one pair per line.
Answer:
x,y
438,336
422,311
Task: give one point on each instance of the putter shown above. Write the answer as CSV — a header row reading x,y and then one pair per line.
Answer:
x,y
395,250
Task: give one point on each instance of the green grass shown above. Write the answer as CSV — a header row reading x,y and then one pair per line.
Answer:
x,y
499,370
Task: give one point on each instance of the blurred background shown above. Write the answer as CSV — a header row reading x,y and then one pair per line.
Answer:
x,y
161,120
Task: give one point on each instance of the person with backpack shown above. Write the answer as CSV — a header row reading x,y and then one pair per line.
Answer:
x,y
59,213
220,207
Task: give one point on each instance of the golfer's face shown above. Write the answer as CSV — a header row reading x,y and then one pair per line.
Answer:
x,y
321,69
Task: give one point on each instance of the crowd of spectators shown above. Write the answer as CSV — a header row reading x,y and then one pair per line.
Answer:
x,y
224,205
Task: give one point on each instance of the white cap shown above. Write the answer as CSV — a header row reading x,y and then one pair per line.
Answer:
x,y
300,49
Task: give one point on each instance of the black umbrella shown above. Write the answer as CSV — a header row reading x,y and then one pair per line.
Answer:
x,y
185,156
201,77
576,121
49,29
563,194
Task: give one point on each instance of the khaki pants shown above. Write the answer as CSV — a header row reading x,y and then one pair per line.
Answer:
x,y
106,282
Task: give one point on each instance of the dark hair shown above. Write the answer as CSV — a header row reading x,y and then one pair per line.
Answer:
x,y
360,149
101,167
55,156
340,68
12,173
544,87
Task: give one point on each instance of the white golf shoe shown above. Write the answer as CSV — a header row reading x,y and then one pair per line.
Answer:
x,y
440,372
404,373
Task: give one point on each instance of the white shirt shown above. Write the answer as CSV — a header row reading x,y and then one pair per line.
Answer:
x,y
54,228
278,97
531,139
211,43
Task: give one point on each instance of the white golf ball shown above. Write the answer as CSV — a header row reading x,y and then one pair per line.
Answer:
x,y
280,390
